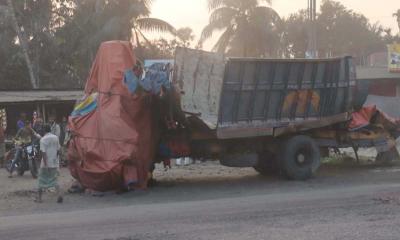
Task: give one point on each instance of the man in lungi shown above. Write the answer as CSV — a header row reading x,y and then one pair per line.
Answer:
x,y
50,164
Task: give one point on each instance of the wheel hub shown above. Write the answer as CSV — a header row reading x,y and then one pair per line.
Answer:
x,y
301,158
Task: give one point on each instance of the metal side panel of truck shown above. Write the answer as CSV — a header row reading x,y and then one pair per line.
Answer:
x,y
248,97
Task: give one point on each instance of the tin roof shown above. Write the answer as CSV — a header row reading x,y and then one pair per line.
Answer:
x,y
39,96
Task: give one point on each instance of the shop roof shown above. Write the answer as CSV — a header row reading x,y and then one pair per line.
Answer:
x,y
39,96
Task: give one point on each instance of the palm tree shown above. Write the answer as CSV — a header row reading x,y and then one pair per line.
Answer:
x,y
92,22
248,27
397,14
126,19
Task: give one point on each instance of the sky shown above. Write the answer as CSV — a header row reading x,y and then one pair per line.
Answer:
x,y
194,13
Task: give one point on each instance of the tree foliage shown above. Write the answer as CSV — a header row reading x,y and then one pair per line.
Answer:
x,y
63,37
397,15
248,27
165,48
340,31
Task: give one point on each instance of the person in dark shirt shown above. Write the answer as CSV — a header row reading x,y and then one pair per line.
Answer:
x,y
24,136
21,121
38,126
63,128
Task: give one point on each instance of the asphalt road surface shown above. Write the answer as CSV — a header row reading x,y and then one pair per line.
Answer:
x,y
350,204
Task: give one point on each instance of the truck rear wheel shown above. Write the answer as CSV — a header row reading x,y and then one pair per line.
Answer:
x,y
267,164
300,158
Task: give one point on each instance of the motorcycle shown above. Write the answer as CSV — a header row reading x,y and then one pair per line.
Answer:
x,y
28,160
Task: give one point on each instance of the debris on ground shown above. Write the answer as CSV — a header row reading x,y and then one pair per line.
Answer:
x,y
389,198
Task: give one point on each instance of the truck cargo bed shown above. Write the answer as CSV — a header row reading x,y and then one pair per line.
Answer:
x,y
247,97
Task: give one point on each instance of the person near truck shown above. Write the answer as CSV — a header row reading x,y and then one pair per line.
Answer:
x,y
21,121
50,164
38,126
55,127
24,136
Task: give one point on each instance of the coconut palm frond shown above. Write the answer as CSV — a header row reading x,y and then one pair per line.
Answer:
x,y
223,15
147,3
224,40
220,19
267,1
155,25
214,4
267,13
209,30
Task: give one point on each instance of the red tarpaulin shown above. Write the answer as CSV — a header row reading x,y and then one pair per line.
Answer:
x,y
365,115
113,145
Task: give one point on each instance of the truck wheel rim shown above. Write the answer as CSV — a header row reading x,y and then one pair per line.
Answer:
x,y
303,157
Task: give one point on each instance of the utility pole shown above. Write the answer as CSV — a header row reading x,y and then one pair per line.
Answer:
x,y
312,51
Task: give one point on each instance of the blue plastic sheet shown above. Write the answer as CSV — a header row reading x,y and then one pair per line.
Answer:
x,y
155,78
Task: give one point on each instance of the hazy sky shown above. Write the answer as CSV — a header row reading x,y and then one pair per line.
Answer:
x,y
194,13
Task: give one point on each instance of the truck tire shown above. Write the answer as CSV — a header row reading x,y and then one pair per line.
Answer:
x,y
300,158
267,164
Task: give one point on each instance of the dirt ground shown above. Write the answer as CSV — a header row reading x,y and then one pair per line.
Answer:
x,y
208,201
200,180
18,193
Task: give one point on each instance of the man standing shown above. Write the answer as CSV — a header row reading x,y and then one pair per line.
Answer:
x,y
38,126
63,127
24,136
55,128
21,121
50,164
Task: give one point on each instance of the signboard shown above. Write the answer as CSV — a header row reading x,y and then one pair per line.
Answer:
x,y
394,57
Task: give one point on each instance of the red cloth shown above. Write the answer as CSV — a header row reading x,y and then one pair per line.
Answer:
x,y
113,145
362,118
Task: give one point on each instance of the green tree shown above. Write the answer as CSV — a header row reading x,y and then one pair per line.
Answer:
x,y
59,38
340,31
23,42
397,15
295,34
248,27
184,37
343,31
13,70
92,22
164,48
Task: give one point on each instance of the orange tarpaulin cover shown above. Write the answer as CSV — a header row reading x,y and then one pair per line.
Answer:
x,y
113,145
372,115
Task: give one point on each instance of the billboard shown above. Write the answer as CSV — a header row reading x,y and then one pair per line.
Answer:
x,y
394,57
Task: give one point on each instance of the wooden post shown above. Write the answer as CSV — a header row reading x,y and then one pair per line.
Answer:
x,y
44,112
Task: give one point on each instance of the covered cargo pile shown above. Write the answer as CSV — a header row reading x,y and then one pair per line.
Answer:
x,y
113,129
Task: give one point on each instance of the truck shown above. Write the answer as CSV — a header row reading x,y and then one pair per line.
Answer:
x,y
278,116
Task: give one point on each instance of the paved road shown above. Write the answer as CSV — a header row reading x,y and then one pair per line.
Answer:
x,y
368,209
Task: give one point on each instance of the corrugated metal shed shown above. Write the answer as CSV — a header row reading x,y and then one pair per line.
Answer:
x,y
39,96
